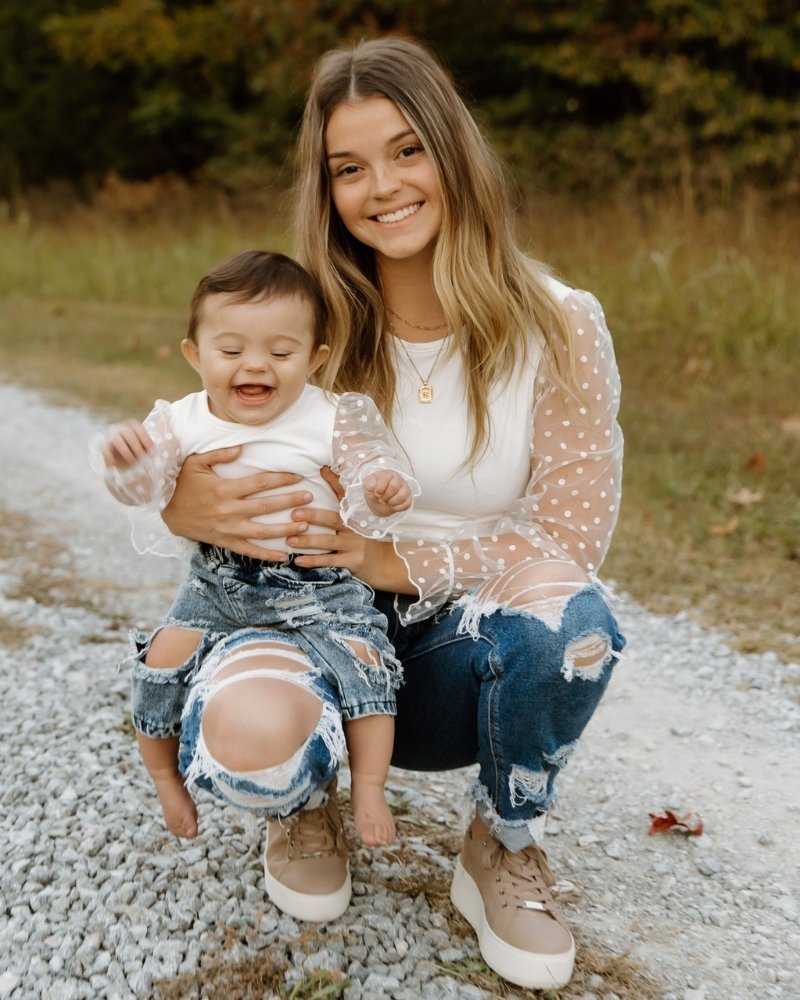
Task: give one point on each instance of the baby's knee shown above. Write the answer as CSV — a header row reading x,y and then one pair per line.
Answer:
x,y
258,713
171,647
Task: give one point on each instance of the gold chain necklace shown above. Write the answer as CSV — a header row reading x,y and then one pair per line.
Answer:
x,y
425,391
414,326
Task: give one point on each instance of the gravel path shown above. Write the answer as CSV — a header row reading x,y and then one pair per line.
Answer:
x,y
97,901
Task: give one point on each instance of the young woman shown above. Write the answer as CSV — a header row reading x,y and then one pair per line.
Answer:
x,y
500,385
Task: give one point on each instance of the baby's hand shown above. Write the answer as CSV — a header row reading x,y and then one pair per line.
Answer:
x,y
127,445
386,493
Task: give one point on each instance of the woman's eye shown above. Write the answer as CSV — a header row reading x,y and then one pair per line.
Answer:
x,y
347,170
407,151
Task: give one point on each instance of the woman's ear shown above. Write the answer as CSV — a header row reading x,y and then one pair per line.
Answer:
x,y
318,358
191,353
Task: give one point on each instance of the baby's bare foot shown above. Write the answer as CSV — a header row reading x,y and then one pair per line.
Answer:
x,y
177,805
373,820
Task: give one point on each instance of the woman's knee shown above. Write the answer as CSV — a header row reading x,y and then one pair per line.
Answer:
x,y
572,634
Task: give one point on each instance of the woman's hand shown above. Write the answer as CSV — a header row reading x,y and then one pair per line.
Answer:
x,y
207,508
374,562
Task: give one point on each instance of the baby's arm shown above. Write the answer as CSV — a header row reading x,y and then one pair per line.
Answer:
x,y
137,461
386,492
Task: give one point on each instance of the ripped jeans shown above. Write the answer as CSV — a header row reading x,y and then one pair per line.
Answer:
x,y
510,691
316,629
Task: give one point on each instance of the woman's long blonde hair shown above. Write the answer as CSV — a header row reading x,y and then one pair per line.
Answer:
x,y
488,287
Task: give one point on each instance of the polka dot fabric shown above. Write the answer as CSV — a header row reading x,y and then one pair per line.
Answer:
x,y
569,508
362,443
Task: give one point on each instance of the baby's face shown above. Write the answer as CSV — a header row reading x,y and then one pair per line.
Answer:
x,y
254,357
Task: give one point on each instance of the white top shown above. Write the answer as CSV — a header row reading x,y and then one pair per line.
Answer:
x,y
345,432
547,487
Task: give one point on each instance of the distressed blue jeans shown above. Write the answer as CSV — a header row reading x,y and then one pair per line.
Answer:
x,y
247,613
513,696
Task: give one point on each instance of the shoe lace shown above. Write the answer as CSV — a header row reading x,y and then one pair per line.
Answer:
x,y
522,877
312,834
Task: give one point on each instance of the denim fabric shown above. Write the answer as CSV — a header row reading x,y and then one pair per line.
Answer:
x,y
275,791
318,610
511,700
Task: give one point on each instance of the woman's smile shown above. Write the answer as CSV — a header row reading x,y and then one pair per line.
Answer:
x,y
399,214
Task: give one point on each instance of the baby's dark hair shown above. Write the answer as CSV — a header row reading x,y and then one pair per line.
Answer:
x,y
254,275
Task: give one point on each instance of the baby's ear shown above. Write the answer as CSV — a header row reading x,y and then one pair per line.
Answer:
x,y
318,357
191,353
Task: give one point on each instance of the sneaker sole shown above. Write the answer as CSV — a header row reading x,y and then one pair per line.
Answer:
x,y
309,906
523,968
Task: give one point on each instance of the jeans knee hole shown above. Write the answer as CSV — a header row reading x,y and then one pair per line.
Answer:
x,y
586,657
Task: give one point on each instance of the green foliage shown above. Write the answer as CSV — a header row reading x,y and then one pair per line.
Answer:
x,y
703,93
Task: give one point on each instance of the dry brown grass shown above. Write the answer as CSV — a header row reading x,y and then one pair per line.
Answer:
x,y
41,570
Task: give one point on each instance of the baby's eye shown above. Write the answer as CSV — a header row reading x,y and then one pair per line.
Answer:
x,y
278,354
230,352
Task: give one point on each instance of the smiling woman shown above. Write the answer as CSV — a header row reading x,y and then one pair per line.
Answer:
x,y
499,383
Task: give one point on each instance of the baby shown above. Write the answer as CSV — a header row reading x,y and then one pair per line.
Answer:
x,y
256,334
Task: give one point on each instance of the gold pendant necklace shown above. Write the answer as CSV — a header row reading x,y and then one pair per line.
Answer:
x,y
425,391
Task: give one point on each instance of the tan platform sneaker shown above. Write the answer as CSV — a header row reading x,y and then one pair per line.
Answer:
x,y
505,896
306,866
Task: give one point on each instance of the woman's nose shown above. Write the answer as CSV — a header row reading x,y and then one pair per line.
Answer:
x,y
386,181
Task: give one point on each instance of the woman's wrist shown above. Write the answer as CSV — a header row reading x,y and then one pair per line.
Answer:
x,y
385,570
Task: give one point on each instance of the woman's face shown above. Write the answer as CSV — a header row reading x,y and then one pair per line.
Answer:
x,y
383,182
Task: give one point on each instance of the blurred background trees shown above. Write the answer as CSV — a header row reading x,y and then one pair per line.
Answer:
x,y
580,96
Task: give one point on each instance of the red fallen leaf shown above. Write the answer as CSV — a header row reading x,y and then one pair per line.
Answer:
x,y
756,462
689,823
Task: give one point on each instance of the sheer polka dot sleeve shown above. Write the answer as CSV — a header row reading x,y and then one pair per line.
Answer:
x,y
147,486
576,453
569,508
362,444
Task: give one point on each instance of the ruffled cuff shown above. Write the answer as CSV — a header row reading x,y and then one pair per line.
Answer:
x,y
150,536
355,511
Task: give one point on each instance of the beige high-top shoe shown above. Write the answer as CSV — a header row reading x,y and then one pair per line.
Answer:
x,y
505,896
306,865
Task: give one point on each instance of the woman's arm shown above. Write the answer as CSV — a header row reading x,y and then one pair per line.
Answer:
x,y
206,508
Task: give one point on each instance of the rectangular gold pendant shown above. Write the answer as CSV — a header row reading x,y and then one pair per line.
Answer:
x,y
425,394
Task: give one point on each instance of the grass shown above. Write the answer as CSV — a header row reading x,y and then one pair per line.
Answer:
x,y
704,309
